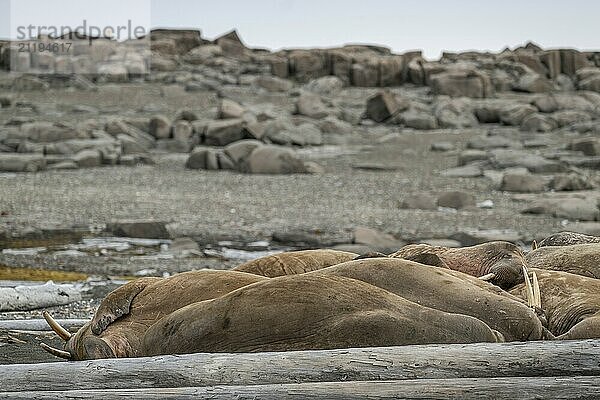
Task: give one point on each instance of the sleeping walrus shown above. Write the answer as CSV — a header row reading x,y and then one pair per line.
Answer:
x,y
446,290
501,263
294,262
571,303
580,259
127,312
308,311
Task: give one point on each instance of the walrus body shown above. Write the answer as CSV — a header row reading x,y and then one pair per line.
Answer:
x,y
126,313
568,239
295,262
446,290
502,259
580,259
571,303
308,311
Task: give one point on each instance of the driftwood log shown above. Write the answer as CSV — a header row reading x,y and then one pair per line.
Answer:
x,y
25,298
40,324
435,362
514,388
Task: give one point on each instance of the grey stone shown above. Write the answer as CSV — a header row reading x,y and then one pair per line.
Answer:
x,y
489,142
473,237
533,83
382,106
570,182
419,120
462,84
182,131
468,156
575,208
457,200
522,183
514,114
325,86
568,117
160,127
240,151
22,162
454,113
467,171
311,105
280,132
173,146
442,146
332,124
224,132
503,158
88,159
378,241
274,84
419,201
230,109
538,123
275,160
588,146
139,229
545,103
63,165
50,132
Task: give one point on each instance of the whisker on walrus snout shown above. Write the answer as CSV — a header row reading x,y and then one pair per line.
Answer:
x,y
60,331
56,352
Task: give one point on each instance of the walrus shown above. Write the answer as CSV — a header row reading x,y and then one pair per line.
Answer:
x,y
571,303
568,239
446,290
294,262
500,263
126,313
308,312
580,259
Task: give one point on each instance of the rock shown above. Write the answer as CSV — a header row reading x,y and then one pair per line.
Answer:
x,y
591,83
570,182
182,131
139,229
274,84
184,247
461,84
275,160
88,159
365,74
572,60
469,156
582,209
568,117
382,106
442,146
203,158
129,145
112,72
545,103
311,105
588,146
533,83
467,171
416,119
230,109
239,152
63,165
586,228
203,54
173,146
504,158
325,86
224,132
514,114
186,115
522,183
22,162
489,142
49,132
118,126
376,240
473,237
313,168
538,123
354,248
282,133
332,124
307,64
454,113
160,127
5,101
457,200
419,201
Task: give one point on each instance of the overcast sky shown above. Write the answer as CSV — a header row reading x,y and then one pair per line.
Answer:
x,y
433,26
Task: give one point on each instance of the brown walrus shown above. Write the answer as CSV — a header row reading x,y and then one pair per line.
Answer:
x,y
446,290
500,263
568,239
306,311
126,313
571,303
295,262
580,259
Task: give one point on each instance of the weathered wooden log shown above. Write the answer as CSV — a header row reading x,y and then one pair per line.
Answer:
x,y
512,388
25,298
39,324
533,359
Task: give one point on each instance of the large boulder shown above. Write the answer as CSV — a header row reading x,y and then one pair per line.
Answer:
x,y
275,160
384,105
514,114
305,65
239,152
454,113
284,133
311,105
522,183
160,127
572,208
230,109
462,84
223,132
50,132
21,162
588,146
538,123
209,159
325,86
533,83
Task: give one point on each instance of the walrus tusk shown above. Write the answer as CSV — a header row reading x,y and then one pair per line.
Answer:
x,y
537,297
60,331
56,352
488,277
534,245
530,299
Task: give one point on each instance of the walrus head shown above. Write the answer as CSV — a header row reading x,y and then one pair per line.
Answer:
x,y
80,346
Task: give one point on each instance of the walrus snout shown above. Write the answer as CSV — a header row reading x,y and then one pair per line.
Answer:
x,y
508,272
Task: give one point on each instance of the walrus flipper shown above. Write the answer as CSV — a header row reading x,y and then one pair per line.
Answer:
x,y
117,304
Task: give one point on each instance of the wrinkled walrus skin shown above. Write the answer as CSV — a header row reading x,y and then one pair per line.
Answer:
x,y
503,259
579,259
295,262
571,303
446,290
123,317
568,239
304,312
